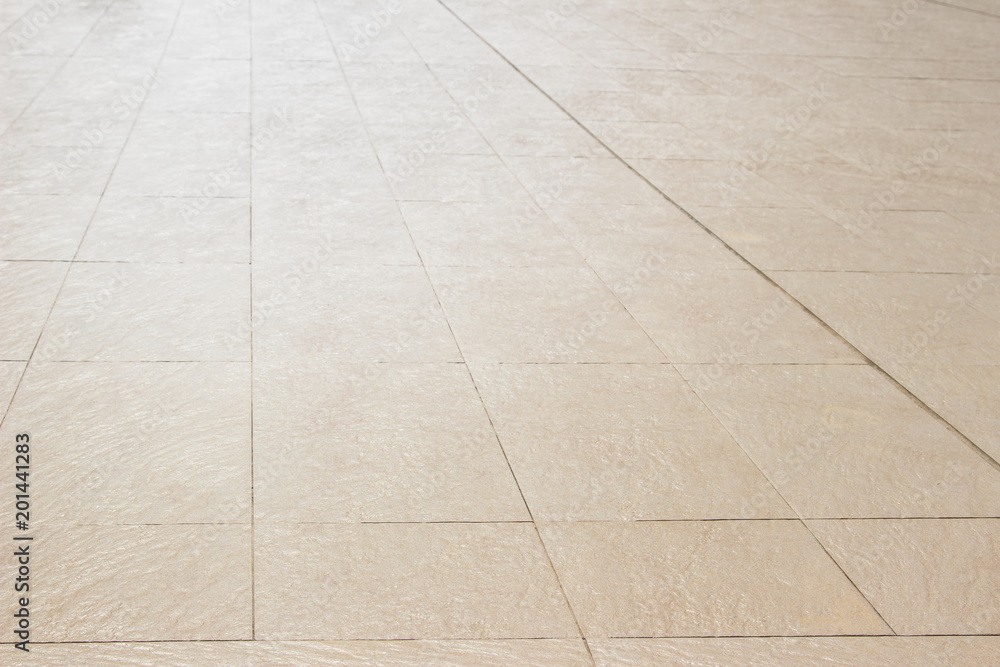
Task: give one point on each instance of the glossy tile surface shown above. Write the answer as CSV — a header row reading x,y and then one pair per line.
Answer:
x,y
496,332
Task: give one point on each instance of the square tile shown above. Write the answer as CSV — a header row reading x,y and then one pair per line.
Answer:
x,y
611,441
308,233
403,581
931,576
377,442
704,578
841,441
138,583
695,317
348,313
185,155
539,315
169,229
27,292
43,226
150,312
494,234
147,443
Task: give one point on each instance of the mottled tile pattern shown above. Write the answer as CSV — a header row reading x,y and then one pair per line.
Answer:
x,y
498,332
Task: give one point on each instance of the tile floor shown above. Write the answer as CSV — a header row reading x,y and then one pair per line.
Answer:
x,y
503,332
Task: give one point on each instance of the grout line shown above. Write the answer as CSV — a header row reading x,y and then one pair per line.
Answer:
x,y
951,427
250,160
964,9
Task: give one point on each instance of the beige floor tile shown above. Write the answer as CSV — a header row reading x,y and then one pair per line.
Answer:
x,y
573,180
683,578
841,441
693,317
147,312
905,318
371,314
433,581
924,576
967,396
610,441
10,376
378,442
172,154
136,443
27,292
201,84
475,234
56,170
43,227
430,175
531,315
138,583
309,234
455,653
169,229
796,652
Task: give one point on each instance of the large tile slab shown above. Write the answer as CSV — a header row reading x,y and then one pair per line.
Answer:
x,y
144,443
455,653
348,313
44,226
377,442
138,583
927,576
796,651
404,581
615,441
150,312
27,292
539,315
169,229
841,441
715,578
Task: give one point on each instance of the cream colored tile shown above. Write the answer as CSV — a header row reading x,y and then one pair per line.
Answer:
x,y
795,651
136,443
43,227
934,576
378,442
717,578
201,84
904,318
10,376
535,315
574,180
387,314
966,396
431,175
185,155
693,316
56,170
146,312
27,291
432,581
456,653
610,441
308,234
841,441
138,583
475,234
169,229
